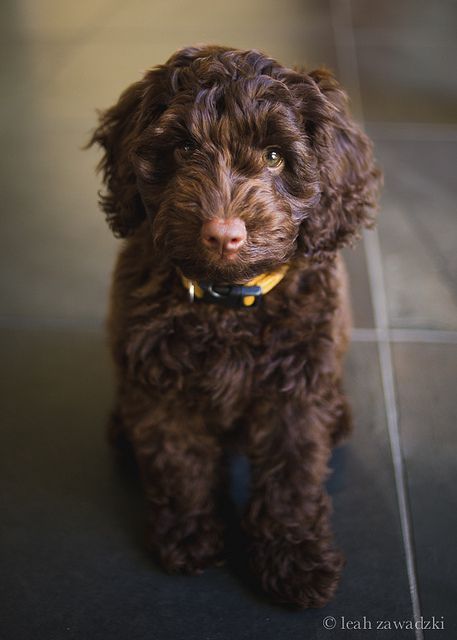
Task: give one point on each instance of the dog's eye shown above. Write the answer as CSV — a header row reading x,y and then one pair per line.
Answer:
x,y
273,158
184,150
187,147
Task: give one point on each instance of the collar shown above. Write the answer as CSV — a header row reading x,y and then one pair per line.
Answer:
x,y
234,296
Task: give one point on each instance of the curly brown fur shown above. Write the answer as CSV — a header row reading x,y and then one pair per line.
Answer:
x,y
183,146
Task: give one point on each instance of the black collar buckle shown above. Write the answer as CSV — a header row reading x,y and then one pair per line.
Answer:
x,y
230,296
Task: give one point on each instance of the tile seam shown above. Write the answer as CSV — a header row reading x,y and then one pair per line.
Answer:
x,y
359,334
344,38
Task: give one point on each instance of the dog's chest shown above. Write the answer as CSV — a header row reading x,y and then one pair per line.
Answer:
x,y
222,359
217,357
215,353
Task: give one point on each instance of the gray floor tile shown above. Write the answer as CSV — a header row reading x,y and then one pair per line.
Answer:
x,y
432,161
362,310
73,520
426,376
363,487
417,230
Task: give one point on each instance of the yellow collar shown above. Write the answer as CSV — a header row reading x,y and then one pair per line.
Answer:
x,y
233,296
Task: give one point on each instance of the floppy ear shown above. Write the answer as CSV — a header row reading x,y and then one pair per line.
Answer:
x,y
118,130
120,135
349,179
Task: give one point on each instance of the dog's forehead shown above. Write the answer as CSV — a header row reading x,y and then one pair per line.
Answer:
x,y
244,107
245,91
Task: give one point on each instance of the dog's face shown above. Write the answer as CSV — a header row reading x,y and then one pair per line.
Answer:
x,y
227,174
238,163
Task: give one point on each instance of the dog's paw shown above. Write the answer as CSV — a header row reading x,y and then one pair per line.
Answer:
x,y
299,574
189,548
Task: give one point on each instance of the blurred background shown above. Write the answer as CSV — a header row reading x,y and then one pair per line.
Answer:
x,y
73,563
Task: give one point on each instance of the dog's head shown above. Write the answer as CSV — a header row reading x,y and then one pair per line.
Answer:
x,y
239,164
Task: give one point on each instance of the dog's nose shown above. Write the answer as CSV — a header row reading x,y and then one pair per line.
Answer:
x,y
224,236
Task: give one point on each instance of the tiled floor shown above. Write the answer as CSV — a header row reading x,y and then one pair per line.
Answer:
x,y
72,560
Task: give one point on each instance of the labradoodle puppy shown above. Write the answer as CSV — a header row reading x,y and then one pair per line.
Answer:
x,y
234,181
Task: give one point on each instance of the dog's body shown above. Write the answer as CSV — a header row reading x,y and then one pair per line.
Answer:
x,y
222,165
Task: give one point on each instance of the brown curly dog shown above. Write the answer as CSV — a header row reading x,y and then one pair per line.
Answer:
x,y
234,181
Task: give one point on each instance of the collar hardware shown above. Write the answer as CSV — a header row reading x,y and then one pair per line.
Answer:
x,y
235,296
232,296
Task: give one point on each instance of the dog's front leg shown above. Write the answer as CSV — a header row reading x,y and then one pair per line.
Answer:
x,y
287,518
180,465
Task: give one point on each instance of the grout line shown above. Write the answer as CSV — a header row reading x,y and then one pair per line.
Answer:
x,y
423,336
48,322
373,256
344,40
358,334
420,336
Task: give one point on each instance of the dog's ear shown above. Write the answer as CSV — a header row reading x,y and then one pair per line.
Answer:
x,y
120,135
348,176
119,127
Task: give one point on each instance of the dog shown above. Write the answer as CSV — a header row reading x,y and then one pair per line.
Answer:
x,y
234,182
